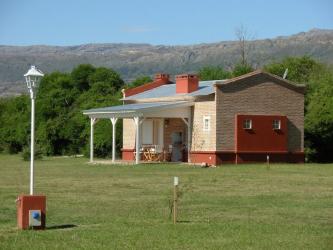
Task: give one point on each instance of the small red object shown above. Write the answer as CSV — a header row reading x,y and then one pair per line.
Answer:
x,y
24,204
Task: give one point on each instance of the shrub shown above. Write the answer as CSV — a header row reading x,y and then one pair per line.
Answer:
x,y
26,154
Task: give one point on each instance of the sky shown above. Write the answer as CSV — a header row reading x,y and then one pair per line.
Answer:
x,y
168,22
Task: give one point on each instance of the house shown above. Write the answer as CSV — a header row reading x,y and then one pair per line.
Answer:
x,y
243,119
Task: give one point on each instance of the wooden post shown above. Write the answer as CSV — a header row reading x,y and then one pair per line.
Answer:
x,y
175,186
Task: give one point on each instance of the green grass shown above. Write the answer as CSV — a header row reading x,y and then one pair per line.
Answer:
x,y
126,207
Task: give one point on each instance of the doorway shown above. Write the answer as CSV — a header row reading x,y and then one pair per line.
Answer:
x,y
177,146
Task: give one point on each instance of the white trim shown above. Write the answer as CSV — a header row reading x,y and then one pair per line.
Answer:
x,y
92,123
247,124
137,138
204,119
114,121
278,123
175,110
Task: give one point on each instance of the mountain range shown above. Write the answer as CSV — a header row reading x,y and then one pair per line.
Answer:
x,y
133,60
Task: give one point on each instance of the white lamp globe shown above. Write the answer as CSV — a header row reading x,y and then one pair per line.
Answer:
x,y
32,77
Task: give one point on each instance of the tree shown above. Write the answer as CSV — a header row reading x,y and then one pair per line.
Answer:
x,y
15,123
55,98
213,73
108,76
80,76
100,95
241,69
319,117
62,128
243,36
139,81
300,69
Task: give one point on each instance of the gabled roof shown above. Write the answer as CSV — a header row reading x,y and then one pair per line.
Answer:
x,y
205,87
284,82
169,90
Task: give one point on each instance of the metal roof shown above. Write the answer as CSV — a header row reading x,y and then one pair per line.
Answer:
x,y
130,110
169,90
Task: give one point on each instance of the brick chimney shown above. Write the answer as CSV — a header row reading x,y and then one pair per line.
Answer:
x,y
186,83
161,77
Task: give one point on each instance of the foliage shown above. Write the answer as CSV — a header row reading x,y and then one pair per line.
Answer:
x,y
300,69
80,76
319,119
26,154
107,76
61,128
15,126
219,73
213,73
241,69
139,81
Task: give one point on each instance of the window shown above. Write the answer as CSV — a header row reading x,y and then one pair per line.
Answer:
x,y
147,132
206,123
276,124
247,124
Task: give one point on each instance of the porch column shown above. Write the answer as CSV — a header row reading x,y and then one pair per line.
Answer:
x,y
188,124
114,121
189,140
137,136
92,122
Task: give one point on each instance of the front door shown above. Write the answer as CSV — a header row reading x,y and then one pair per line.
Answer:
x,y
177,146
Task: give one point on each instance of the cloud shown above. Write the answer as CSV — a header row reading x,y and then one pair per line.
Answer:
x,y
136,29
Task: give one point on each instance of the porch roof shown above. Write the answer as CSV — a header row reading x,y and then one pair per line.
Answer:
x,y
136,109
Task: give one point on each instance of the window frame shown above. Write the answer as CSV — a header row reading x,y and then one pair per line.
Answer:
x,y
247,122
278,122
204,119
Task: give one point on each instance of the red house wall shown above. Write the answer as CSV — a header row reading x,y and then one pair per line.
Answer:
x,y
262,137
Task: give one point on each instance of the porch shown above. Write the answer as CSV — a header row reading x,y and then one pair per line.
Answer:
x,y
159,131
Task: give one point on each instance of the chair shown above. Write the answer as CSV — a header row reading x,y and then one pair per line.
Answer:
x,y
167,153
156,153
141,153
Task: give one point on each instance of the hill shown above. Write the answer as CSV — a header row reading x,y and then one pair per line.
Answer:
x,y
132,60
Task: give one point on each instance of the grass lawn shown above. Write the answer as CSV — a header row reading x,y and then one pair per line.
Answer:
x,y
126,207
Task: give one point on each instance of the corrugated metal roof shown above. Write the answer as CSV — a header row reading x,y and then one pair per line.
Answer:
x,y
137,107
168,90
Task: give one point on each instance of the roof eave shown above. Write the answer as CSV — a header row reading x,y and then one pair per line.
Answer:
x,y
138,112
161,99
299,87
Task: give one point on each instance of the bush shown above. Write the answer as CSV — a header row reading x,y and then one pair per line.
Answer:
x,y
26,154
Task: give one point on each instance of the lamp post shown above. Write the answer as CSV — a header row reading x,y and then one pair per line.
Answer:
x,y
31,209
32,78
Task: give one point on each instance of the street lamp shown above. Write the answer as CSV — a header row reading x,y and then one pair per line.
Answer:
x,y
32,78
31,209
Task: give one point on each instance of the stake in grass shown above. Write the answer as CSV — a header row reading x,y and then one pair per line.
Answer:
x,y
175,186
